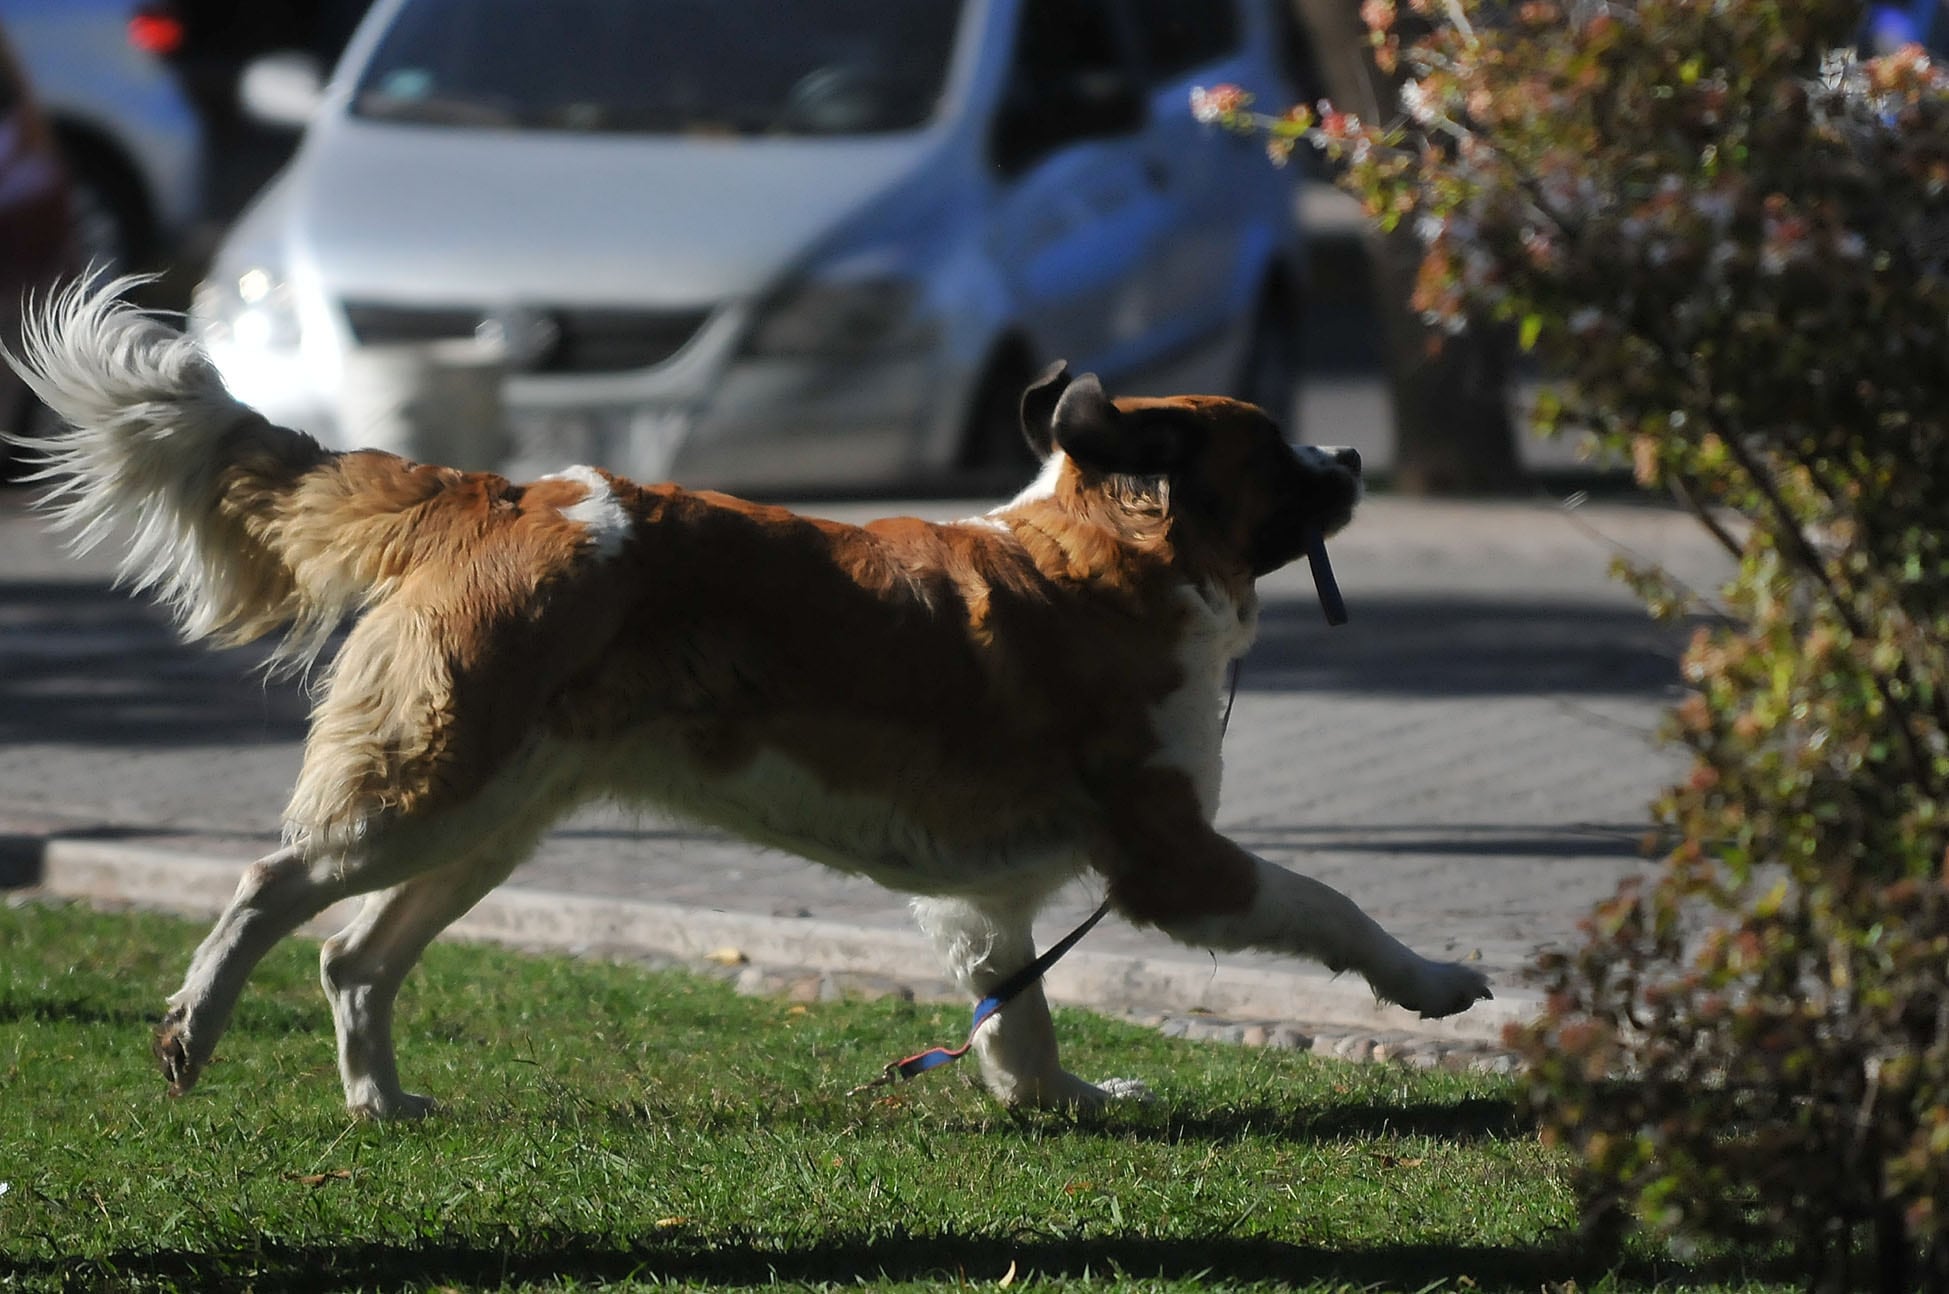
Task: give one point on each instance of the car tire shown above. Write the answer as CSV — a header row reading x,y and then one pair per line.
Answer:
x,y
993,445
1269,373
113,230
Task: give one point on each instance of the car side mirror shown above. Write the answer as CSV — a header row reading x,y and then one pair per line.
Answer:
x,y
282,89
1085,105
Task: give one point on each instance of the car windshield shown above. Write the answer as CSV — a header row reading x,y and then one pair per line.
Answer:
x,y
794,67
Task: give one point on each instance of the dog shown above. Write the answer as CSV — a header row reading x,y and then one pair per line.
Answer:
x,y
972,713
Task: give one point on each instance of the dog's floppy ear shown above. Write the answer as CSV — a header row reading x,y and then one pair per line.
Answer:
x,y
1039,407
1096,434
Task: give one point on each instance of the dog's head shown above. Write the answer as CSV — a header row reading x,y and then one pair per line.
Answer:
x,y
1219,469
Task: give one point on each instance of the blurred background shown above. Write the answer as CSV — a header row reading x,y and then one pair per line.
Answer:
x,y
773,245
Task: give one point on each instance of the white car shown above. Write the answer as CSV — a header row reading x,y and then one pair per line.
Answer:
x,y
132,143
762,243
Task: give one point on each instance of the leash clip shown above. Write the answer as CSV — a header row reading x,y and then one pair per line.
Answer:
x,y
1003,994
888,1077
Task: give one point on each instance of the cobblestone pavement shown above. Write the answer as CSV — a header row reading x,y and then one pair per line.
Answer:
x,y
1471,758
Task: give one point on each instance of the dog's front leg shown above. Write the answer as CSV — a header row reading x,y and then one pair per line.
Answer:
x,y
982,945
1169,868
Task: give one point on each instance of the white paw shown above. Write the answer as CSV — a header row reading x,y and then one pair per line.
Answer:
x,y
1065,1091
396,1106
1444,988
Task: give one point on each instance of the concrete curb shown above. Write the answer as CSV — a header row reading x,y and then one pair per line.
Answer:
x,y
517,916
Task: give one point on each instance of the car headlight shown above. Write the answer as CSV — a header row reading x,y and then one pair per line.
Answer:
x,y
253,307
816,316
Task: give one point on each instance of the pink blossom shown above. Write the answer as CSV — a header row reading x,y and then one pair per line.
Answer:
x,y
1218,104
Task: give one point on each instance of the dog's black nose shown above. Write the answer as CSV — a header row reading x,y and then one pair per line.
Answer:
x,y
1348,458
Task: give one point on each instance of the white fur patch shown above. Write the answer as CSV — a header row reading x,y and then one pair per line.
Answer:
x,y
1043,486
1190,721
600,513
776,801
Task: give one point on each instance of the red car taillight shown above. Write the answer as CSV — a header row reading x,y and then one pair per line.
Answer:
x,y
156,29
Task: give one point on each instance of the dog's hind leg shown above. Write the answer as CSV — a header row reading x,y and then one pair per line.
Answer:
x,y
279,893
1168,868
983,944
276,895
363,965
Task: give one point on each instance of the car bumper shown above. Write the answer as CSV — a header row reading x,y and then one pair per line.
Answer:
x,y
739,422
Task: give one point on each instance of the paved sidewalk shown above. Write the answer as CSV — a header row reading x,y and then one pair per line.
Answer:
x,y
1470,759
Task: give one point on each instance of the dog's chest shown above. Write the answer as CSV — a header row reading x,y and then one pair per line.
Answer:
x,y
1189,722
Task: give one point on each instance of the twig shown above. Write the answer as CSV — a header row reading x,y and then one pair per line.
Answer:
x,y
1682,488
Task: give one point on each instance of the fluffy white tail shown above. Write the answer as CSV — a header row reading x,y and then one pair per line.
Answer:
x,y
160,447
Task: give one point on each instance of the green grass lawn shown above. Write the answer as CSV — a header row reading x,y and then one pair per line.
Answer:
x,y
606,1126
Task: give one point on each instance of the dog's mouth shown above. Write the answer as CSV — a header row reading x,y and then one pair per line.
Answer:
x,y
1321,489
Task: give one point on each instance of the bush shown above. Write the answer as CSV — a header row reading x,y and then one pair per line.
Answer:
x,y
1731,244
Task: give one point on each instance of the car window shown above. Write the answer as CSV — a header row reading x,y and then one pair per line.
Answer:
x,y
796,67
1070,78
1060,40
1178,35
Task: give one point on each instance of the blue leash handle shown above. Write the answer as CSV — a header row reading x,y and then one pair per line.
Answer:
x,y
1003,993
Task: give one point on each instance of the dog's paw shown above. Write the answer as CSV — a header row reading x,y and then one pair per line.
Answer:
x,y
1447,988
1127,1089
1083,1097
397,1107
1067,1092
172,1050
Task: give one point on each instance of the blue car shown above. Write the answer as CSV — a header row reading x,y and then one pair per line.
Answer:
x,y
1888,27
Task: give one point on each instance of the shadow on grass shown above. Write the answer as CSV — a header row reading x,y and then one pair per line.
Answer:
x,y
494,1262
46,1011
1469,1120
264,1019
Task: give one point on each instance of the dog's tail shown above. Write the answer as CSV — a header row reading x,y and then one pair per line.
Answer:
x,y
238,526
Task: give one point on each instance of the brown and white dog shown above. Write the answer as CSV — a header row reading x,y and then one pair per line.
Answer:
x,y
972,713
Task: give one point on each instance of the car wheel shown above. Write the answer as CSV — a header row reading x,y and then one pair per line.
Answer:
x,y
110,215
1269,374
993,444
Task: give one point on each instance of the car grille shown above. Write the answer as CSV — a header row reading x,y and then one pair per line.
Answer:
x,y
586,340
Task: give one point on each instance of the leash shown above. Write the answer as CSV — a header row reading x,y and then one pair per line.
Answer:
x,y
1012,987
1004,993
